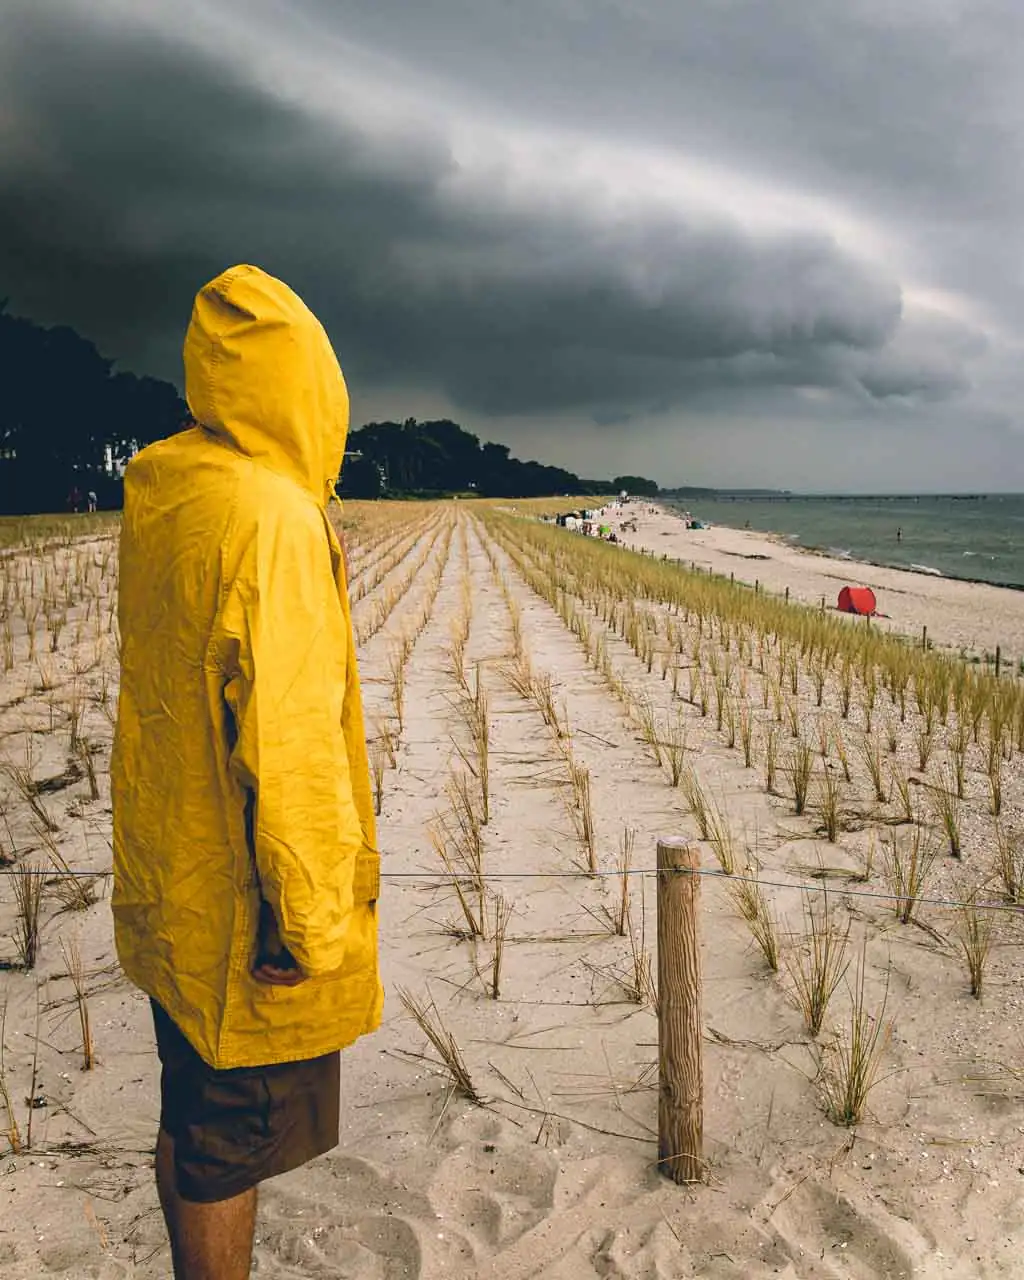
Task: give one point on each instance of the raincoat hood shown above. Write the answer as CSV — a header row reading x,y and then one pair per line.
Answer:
x,y
261,375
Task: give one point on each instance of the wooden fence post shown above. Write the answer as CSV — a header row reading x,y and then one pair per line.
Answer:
x,y
787,595
924,638
680,1019
999,657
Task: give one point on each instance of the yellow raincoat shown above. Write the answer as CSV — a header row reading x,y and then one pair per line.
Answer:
x,y
239,771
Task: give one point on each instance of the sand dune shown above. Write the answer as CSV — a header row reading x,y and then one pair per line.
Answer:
x,y
553,1174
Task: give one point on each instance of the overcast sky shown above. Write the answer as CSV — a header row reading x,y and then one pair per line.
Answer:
x,y
713,241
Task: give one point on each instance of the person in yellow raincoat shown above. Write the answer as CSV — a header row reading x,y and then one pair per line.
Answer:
x,y
245,866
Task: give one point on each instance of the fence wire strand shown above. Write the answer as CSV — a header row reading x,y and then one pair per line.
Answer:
x,y
711,873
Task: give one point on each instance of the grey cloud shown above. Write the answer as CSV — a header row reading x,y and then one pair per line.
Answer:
x,y
133,168
909,110
152,167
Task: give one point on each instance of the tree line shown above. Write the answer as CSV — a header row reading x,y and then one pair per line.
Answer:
x,y
421,458
69,422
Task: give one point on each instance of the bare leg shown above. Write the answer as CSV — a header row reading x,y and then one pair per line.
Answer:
x,y
208,1241
167,1190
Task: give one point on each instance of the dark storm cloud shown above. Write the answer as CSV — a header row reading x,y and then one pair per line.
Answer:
x,y
909,109
133,166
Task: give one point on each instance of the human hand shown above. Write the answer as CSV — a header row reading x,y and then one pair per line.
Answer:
x,y
274,965
274,976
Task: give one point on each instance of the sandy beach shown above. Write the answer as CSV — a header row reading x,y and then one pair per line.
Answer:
x,y
550,1170
962,616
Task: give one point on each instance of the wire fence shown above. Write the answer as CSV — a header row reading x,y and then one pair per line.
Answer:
x,y
711,873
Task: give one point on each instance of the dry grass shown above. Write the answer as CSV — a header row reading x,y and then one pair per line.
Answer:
x,y
386,737
21,776
907,867
901,791
958,745
948,811
427,1017
801,767
750,902
771,757
544,696
974,929
925,743
994,770
720,837
27,881
73,890
75,707
378,764
468,898
697,803
648,724
747,736
76,972
11,1131
480,732
88,761
871,752
842,753
675,747
829,806
818,967
1010,863
396,667
868,860
851,1062
519,675
458,842
639,982
621,918
581,810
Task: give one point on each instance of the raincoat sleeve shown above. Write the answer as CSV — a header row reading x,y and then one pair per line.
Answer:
x,y
289,749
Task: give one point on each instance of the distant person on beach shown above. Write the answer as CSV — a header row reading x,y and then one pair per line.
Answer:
x,y
245,866
899,535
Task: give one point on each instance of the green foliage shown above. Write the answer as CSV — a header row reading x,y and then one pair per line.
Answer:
x,y
63,406
636,486
441,457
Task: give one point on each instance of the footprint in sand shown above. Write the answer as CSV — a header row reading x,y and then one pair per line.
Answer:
x,y
831,1237
496,1192
491,1184
69,1261
342,1218
322,1243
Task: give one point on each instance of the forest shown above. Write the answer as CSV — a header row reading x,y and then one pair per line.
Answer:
x,y
69,420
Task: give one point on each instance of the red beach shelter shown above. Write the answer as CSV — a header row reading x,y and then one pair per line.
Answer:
x,y
857,600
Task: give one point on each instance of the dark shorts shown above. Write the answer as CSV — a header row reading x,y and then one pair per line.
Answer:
x,y
233,1128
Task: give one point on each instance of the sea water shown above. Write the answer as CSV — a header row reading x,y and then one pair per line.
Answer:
x,y
978,537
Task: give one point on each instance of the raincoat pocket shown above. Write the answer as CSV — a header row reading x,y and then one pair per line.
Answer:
x,y
366,882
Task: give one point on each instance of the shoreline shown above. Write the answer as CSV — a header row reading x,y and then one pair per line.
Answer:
x,y
969,617
808,549
920,571
787,540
